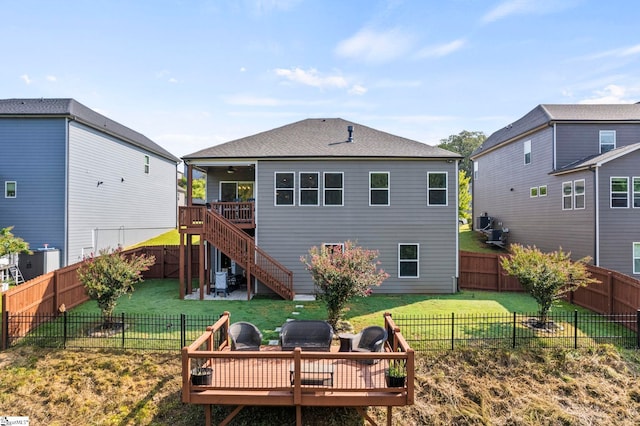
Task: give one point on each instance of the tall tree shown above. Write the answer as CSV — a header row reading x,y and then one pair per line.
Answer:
x,y
464,195
464,143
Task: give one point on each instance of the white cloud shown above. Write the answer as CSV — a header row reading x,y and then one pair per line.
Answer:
x,y
52,78
263,6
613,94
358,90
243,69
312,77
250,100
525,7
441,49
393,84
621,52
25,78
172,80
376,47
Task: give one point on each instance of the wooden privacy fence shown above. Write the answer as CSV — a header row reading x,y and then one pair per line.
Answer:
x,y
47,293
617,293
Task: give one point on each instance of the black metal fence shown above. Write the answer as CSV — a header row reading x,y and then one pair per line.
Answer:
x,y
562,330
122,331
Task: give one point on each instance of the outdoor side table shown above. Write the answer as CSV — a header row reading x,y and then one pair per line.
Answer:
x,y
313,373
345,341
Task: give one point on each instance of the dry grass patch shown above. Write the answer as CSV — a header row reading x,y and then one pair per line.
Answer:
x,y
465,387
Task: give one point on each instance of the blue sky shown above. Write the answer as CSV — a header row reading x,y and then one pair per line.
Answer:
x,y
192,74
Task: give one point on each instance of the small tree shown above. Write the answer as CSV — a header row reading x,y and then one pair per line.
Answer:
x,y
464,195
10,244
111,275
547,277
341,273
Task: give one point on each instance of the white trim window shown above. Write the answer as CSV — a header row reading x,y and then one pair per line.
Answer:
x,y
607,140
333,247
636,258
333,188
578,194
147,164
284,188
309,189
567,195
619,192
437,188
475,170
527,152
533,192
542,191
379,188
636,192
11,189
408,260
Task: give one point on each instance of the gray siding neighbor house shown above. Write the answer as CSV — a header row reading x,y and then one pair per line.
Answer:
x,y
326,181
76,181
566,176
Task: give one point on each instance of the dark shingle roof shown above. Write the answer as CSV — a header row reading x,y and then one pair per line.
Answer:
x,y
547,114
76,111
322,137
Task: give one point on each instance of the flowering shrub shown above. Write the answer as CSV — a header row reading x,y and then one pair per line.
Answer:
x,y
111,275
340,273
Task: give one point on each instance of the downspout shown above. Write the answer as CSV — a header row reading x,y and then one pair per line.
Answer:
x,y
66,193
596,203
457,252
555,160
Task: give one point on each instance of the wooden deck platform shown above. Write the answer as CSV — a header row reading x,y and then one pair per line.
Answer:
x,y
272,377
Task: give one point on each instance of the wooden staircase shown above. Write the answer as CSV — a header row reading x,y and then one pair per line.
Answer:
x,y
239,247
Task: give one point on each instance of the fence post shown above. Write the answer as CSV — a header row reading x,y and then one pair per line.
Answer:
x,y
64,333
499,268
609,293
4,342
575,329
515,320
452,330
122,317
183,331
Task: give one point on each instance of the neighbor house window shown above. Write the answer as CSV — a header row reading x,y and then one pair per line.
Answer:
x,y
147,164
542,191
475,170
408,259
527,152
533,192
309,191
636,258
436,189
378,188
567,195
636,192
10,189
578,194
333,247
284,188
619,192
607,140
333,189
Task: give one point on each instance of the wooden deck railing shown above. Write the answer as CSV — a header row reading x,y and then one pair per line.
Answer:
x,y
242,214
295,378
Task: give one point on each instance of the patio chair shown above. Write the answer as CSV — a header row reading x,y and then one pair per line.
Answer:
x,y
244,336
370,339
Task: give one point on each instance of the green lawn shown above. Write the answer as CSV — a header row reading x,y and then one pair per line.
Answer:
x,y
470,240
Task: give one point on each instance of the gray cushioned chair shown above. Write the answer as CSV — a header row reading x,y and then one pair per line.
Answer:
x,y
244,336
370,339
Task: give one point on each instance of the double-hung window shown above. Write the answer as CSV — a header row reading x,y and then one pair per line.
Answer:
x,y
378,188
284,187
10,189
567,195
527,152
475,170
619,192
578,194
309,191
436,189
636,192
408,260
333,188
636,258
607,140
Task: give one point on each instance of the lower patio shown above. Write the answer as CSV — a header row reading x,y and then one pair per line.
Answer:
x,y
272,377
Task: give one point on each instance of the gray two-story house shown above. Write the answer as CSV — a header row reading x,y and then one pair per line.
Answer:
x,y
77,181
566,176
325,181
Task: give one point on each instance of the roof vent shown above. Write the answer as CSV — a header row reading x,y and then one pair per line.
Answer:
x,y
350,130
